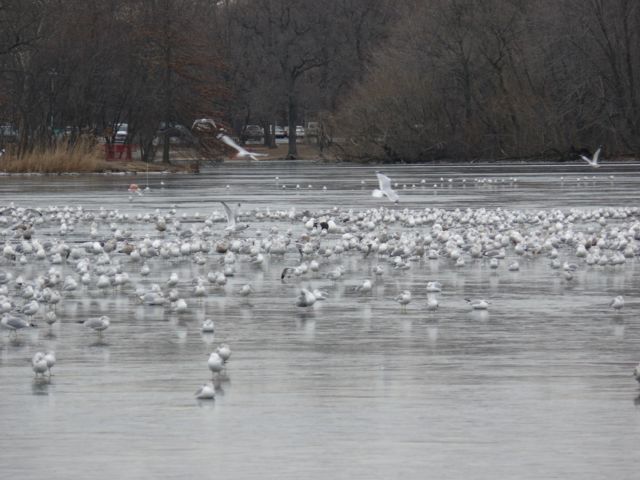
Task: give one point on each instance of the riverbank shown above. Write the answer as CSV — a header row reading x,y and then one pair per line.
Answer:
x,y
89,159
60,162
95,167
133,166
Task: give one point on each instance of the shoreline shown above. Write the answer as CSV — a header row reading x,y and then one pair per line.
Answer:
x,y
307,153
140,168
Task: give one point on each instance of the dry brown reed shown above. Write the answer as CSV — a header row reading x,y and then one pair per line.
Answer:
x,y
81,157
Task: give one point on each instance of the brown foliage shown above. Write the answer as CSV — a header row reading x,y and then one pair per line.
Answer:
x,y
501,79
84,156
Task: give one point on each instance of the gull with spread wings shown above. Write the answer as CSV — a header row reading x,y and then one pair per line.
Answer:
x,y
232,219
593,161
385,188
241,151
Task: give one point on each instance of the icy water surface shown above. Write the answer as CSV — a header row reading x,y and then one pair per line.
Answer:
x,y
539,386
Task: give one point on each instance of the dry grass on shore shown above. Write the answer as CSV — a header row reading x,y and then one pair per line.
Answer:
x,y
83,157
87,157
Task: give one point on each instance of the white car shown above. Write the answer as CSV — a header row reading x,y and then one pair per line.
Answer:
x,y
122,130
279,131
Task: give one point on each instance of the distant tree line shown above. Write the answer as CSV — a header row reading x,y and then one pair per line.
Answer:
x,y
405,80
501,79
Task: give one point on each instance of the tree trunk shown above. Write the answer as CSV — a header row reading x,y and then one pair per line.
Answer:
x,y
165,147
269,135
167,85
293,119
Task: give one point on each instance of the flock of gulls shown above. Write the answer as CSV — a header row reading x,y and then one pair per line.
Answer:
x,y
119,252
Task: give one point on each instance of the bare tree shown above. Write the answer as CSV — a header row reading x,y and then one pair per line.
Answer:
x,y
410,80
290,38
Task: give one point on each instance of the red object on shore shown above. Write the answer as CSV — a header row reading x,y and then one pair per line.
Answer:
x,y
118,151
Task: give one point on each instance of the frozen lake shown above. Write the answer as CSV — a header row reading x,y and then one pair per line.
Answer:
x,y
538,386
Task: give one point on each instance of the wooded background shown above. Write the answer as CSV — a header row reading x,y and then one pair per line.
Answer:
x,y
402,80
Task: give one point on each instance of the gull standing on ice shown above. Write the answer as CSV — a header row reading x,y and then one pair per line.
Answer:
x,y
39,364
617,303
215,363
224,351
206,392
364,287
15,323
208,326
432,304
306,298
97,324
246,290
404,299
50,358
479,304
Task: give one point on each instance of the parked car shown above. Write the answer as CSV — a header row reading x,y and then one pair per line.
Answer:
x,y
299,131
122,131
253,132
279,132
